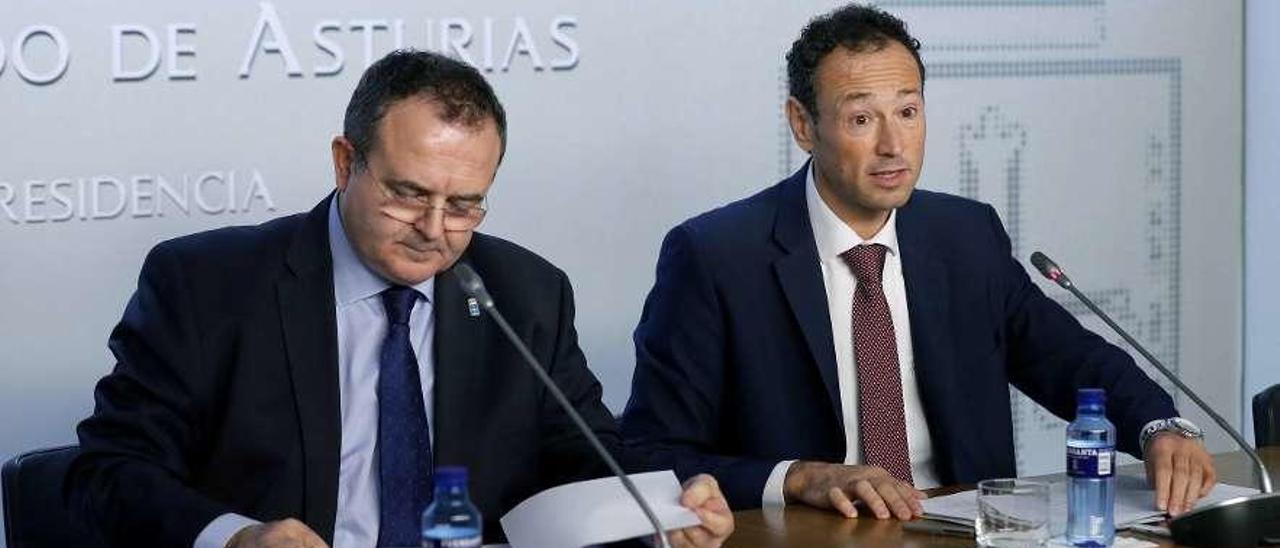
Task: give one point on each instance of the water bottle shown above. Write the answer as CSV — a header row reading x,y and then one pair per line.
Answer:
x,y
1091,488
451,521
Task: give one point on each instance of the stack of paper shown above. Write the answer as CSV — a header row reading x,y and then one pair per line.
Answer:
x,y
1135,503
596,511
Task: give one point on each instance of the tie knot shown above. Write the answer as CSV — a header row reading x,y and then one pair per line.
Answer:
x,y
398,300
867,262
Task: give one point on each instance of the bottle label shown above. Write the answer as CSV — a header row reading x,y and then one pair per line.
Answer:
x,y
464,542
1090,462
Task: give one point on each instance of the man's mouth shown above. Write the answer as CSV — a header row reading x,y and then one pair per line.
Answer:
x,y
889,178
420,249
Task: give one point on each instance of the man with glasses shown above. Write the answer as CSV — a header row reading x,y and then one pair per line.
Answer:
x,y
295,383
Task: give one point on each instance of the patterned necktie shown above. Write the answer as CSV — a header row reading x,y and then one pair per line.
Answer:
x,y
882,427
404,437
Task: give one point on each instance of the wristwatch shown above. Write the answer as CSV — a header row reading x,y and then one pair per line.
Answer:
x,y
1177,425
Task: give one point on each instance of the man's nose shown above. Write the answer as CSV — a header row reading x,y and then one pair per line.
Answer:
x,y
889,139
431,223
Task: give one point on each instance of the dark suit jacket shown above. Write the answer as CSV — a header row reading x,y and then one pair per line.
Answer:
x,y
225,394
736,367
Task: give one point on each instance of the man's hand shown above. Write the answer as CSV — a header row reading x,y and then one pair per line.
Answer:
x,y
837,486
289,533
1181,471
702,495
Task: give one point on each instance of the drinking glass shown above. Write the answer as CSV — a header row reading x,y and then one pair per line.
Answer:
x,y
1012,512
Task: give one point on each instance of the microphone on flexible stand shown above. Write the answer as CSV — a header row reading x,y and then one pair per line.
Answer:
x,y
1241,521
473,286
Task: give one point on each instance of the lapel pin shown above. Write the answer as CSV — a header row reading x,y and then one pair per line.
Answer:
x,y
473,307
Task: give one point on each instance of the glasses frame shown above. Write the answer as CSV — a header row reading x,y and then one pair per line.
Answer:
x,y
455,218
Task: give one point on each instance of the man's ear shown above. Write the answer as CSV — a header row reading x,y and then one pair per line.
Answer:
x,y
803,127
344,157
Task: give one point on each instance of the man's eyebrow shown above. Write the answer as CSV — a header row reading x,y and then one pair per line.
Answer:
x,y
470,197
405,182
865,95
854,97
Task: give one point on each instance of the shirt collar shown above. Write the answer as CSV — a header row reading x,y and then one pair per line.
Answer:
x,y
832,236
353,280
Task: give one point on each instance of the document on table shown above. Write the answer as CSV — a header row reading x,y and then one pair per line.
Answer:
x,y
596,511
1135,502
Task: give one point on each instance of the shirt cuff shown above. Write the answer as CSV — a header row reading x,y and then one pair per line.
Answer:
x,y
219,531
774,494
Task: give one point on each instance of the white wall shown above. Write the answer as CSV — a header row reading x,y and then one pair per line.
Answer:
x,y
1262,203
1125,115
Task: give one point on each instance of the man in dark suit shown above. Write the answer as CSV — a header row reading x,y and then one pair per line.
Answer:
x,y
843,337
294,383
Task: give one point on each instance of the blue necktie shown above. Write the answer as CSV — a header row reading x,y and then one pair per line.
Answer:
x,y
404,437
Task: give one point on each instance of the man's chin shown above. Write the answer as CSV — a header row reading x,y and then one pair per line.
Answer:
x,y
902,197
412,273
888,201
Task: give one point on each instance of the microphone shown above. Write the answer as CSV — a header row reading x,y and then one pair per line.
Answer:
x,y
1241,521
473,286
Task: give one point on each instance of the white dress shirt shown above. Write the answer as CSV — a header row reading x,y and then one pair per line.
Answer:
x,y
362,325
833,237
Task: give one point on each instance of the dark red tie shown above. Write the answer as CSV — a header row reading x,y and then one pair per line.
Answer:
x,y
882,428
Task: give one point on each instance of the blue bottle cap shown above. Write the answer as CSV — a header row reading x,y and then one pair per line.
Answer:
x,y
1091,397
451,476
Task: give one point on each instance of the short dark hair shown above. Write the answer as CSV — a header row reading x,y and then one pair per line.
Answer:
x,y
460,90
855,27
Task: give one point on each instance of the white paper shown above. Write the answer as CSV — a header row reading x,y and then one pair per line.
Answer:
x,y
1130,542
1135,502
595,512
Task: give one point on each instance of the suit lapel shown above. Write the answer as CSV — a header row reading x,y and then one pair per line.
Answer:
x,y
800,276
460,343
928,292
310,336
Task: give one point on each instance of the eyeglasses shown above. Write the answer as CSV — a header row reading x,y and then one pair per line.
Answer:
x,y
409,205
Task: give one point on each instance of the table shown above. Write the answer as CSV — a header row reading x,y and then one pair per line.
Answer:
x,y
797,526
